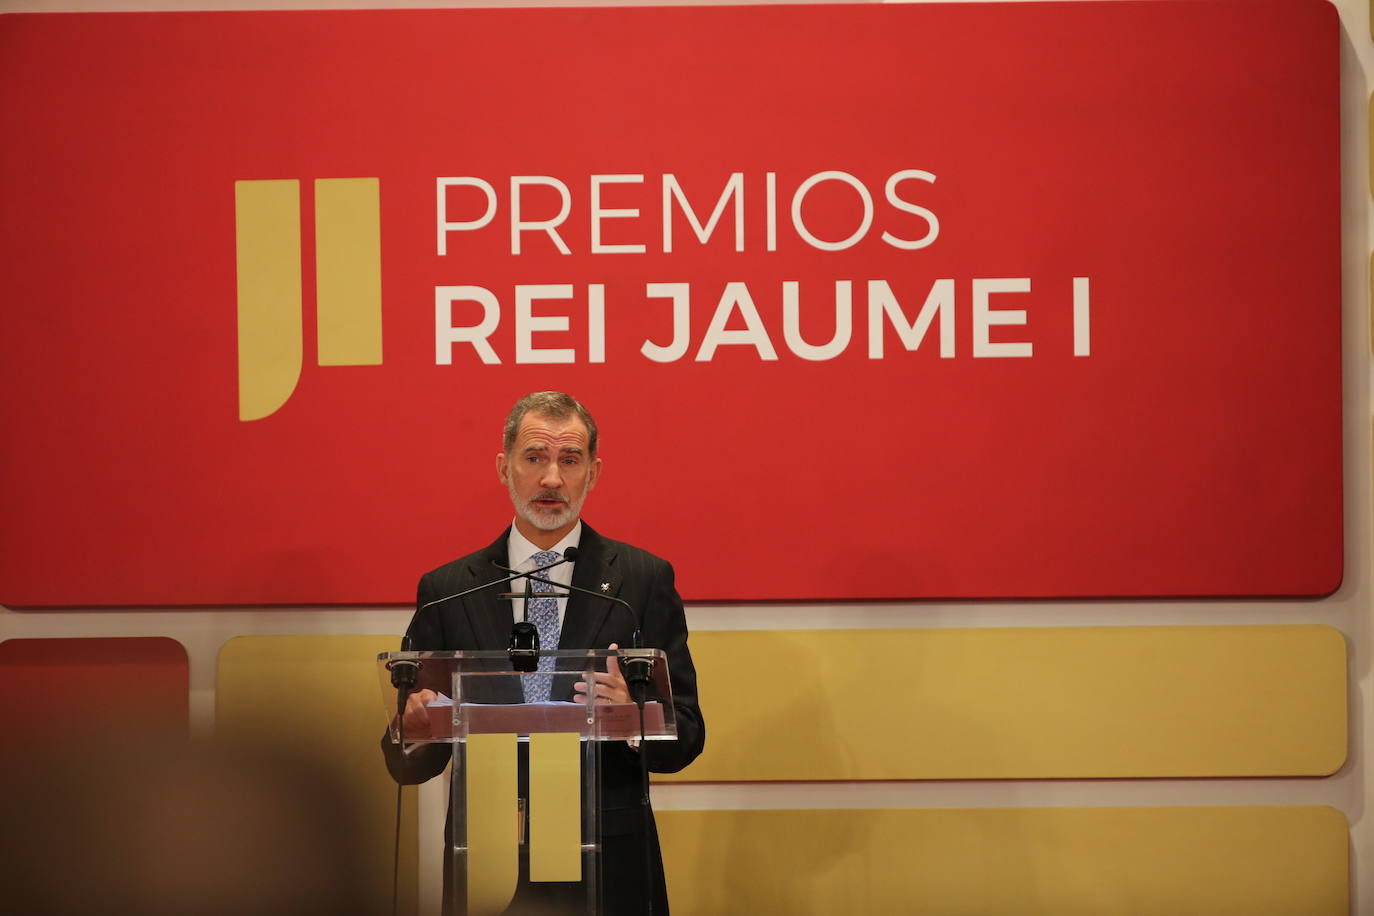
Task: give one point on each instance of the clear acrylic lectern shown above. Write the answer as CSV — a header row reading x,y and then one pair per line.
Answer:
x,y
524,817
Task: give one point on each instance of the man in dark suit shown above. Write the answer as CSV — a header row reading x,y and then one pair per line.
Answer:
x,y
549,464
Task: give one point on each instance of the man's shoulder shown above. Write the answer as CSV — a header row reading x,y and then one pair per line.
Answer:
x,y
622,551
477,560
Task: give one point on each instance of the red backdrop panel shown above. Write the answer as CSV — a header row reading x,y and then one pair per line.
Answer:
x,y
1180,436
105,685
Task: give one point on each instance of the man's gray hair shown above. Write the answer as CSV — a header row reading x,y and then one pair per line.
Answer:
x,y
553,404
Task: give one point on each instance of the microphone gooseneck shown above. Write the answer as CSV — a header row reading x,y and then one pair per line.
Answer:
x,y
524,637
523,647
638,671
568,556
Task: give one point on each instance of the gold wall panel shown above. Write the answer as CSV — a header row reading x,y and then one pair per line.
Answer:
x,y
316,699
1234,861
1023,703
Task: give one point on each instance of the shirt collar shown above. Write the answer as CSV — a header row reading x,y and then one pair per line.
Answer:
x,y
519,548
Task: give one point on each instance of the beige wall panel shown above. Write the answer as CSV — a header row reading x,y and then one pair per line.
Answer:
x,y
317,698
1261,861
1022,703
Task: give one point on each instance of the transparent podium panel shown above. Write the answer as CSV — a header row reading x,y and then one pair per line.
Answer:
x,y
480,692
524,823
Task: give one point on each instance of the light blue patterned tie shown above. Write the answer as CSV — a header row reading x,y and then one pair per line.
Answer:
x,y
543,613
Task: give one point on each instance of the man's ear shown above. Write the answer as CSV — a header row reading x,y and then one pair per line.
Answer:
x,y
502,469
595,473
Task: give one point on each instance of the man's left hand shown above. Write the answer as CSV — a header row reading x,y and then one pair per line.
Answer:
x,y
610,687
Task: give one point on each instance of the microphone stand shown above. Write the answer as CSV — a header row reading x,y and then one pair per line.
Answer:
x,y
524,636
638,672
639,669
405,675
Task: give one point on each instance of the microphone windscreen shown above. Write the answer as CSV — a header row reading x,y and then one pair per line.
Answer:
x,y
570,554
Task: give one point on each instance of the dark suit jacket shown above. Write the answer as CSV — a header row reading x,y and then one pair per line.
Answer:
x,y
483,621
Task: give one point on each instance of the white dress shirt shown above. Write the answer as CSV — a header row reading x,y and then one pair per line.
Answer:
x,y
520,555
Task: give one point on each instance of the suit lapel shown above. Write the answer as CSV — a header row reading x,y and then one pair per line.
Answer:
x,y
491,615
596,571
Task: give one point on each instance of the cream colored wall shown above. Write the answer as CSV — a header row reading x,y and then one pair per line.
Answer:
x,y
204,632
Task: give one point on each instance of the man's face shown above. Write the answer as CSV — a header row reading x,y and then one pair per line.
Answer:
x,y
549,473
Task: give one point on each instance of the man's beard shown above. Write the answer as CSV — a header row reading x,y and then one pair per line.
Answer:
x,y
546,520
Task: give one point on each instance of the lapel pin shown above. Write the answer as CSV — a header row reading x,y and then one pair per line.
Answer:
x,y
605,586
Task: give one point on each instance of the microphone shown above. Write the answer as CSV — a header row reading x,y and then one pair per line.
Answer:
x,y
523,647
524,638
404,672
638,670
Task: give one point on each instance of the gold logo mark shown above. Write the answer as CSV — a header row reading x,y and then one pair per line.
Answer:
x,y
493,834
348,283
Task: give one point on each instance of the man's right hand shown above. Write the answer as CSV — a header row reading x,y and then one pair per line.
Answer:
x,y
416,719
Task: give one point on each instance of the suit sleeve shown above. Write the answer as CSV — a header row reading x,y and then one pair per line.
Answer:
x,y
424,763
665,627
